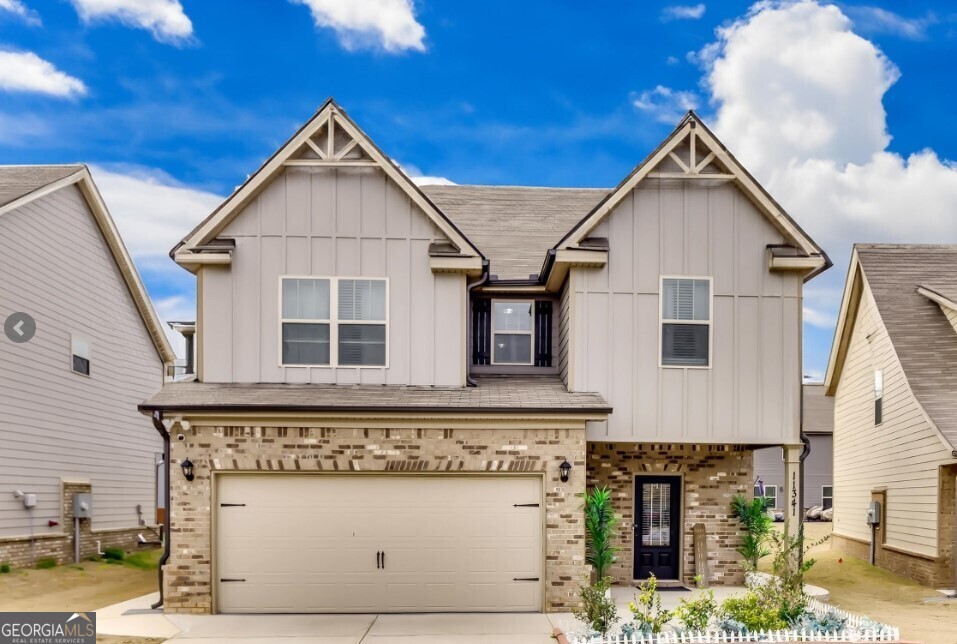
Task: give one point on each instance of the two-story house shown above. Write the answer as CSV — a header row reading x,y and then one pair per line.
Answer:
x,y
401,393
81,348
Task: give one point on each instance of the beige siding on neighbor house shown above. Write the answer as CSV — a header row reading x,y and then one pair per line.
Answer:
x,y
54,424
751,392
903,454
328,222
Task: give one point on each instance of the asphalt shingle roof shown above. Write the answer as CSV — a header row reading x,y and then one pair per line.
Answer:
x,y
818,410
923,338
513,226
526,394
19,180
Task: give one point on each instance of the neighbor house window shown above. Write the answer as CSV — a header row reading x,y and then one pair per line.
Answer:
x,y
685,322
827,496
512,328
770,493
80,350
330,321
878,397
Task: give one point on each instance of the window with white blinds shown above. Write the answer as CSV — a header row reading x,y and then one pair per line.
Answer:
x,y
332,321
685,322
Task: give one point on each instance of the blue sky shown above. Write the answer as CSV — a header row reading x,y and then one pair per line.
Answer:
x,y
173,103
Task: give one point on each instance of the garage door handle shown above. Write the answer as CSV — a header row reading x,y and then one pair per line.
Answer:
x,y
526,505
525,579
225,580
383,559
378,560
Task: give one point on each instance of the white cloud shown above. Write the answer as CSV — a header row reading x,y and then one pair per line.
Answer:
x,y
420,179
881,21
799,100
683,12
21,11
26,72
386,24
177,308
164,19
152,210
666,105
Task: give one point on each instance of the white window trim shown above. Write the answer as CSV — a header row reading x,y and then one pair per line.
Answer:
x,y
879,395
530,333
334,322
774,495
662,321
88,358
827,496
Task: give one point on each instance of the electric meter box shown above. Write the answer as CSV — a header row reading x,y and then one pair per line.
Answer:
x,y
874,513
83,505
29,501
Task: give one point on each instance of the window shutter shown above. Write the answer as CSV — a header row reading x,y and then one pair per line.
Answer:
x,y
481,331
543,334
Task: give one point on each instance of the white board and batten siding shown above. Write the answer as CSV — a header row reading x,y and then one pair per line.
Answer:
x,y
56,425
903,454
332,222
751,392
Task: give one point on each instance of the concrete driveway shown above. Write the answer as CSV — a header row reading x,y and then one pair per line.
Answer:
x,y
133,618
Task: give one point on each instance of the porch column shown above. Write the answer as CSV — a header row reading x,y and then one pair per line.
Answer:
x,y
793,512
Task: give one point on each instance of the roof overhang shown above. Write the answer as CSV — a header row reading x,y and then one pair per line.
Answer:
x,y
935,296
850,303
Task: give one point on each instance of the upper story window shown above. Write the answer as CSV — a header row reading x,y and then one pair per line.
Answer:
x,y
332,321
878,396
512,332
80,350
685,322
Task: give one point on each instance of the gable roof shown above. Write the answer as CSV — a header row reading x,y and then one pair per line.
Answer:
x,y
514,226
707,159
20,185
923,338
343,144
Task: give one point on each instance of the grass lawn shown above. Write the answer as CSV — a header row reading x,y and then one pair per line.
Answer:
x,y
84,587
860,588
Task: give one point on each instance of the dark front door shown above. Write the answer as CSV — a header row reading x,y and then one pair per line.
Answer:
x,y
658,514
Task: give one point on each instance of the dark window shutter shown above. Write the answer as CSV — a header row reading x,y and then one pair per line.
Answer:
x,y
543,334
481,331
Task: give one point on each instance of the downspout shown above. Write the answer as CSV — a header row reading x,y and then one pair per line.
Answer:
x,y
804,454
161,428
468,298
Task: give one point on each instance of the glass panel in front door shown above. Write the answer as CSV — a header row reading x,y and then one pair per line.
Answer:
x,y
656,514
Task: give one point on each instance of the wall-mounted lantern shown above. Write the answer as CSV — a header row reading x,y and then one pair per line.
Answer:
x,y
565,468
187,466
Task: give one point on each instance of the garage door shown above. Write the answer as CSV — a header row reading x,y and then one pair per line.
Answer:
x,y
370,543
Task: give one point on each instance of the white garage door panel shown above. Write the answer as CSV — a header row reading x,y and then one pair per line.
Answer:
x,y
308,543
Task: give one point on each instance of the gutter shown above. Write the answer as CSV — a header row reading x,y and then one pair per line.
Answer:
x,y
157,418
468,304
405,410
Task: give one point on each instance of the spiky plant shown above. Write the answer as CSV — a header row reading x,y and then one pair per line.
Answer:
x,y
600,520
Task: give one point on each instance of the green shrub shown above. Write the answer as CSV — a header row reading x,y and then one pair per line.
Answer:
x,y
785,588
696,614
48,562
597,609
753,613
4,568
114,554
648,617
757,526
144,559
600,520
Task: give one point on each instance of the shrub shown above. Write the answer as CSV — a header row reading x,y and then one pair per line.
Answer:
x,y
48,562
785,588
114,554
600,520
648,617
751,612
830,622
597,609
4,568
696,614
757,526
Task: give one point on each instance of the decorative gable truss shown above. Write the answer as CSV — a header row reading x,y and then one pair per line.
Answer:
x,y
330,139
946,299
693,153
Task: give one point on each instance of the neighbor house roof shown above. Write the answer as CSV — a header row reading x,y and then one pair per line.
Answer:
x,y
544,394
514,226
923,338
818,410
20,185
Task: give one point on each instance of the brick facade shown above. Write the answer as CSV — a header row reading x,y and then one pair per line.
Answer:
x,y
188,582
935,572
711,475
18,551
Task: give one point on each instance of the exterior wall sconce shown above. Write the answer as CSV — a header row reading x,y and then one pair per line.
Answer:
x,y
187,466
565,468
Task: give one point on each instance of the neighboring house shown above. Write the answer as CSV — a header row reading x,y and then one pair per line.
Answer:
x,y
68,396
893,376
645,337
817,421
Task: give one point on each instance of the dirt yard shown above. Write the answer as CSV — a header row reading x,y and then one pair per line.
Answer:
x,y
84,587
860,588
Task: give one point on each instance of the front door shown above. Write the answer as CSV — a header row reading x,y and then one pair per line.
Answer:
x,y
657,539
